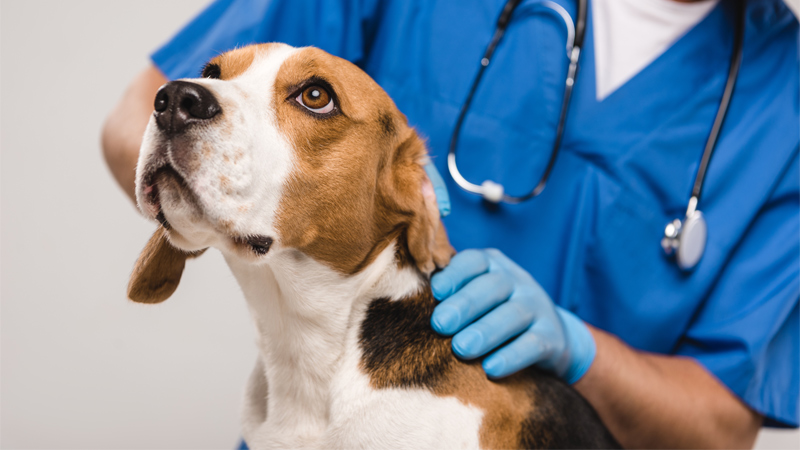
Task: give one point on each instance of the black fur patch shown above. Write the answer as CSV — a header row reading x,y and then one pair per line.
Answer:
x,y
562,418
400,347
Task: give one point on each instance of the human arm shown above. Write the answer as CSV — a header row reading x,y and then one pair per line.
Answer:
x,y
646,400
125,125
656,401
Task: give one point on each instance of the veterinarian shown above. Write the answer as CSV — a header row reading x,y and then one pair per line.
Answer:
x,y
693,347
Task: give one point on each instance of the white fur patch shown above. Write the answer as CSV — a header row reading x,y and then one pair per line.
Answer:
x,y
309,319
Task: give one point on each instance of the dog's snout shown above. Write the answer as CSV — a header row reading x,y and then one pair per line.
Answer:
x,y
179,104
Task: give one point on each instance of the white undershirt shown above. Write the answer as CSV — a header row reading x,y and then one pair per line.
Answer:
x,y
630,34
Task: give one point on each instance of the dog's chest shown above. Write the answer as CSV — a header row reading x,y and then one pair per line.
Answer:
x,y
315,372
401,417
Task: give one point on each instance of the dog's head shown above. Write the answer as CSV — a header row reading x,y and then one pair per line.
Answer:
x,y
281,149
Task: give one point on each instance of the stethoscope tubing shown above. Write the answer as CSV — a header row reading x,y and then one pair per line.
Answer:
x,y
722,111
575,37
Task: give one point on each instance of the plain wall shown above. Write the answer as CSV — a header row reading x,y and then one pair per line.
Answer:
x,y
82,367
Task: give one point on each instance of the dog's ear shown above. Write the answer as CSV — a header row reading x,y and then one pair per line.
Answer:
x,y
158,270
426,236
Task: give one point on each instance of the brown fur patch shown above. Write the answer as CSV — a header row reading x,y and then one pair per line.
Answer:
x,y
358,176
235,62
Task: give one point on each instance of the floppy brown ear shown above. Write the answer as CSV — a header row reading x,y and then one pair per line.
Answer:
x,y
158,270
427,238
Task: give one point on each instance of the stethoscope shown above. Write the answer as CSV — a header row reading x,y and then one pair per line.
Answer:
x,y
684,239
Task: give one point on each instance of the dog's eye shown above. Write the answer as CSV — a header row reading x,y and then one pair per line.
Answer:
x,y
316,99
212,71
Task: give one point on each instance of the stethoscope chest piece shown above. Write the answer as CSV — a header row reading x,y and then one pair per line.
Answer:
x,y
686,240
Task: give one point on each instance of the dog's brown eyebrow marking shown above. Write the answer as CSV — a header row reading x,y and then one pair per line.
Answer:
x,y
231,64
529,409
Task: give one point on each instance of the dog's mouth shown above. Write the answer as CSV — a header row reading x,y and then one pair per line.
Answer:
x,y
257,244
152,195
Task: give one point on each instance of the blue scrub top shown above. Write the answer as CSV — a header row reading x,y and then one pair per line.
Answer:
x,y
626,167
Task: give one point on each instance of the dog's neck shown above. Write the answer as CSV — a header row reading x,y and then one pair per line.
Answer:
x,y
305,314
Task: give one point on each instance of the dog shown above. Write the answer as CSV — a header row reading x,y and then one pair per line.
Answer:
x,y
301,170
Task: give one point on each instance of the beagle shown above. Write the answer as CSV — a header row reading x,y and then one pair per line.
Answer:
x,y
300,169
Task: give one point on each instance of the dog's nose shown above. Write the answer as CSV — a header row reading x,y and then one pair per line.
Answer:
x,y
181,103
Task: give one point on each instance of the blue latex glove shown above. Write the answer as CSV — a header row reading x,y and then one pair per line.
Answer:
x,y
485,285
439,188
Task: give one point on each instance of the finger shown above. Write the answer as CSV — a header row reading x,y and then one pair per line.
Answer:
x,y
463,267
498,326
522,352
470,302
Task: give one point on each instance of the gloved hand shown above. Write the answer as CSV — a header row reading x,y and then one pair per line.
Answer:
x,y
507,302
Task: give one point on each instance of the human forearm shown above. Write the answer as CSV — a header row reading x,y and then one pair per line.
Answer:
x,y
124,127
655,401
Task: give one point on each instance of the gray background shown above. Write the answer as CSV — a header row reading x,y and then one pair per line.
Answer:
x,y
81,366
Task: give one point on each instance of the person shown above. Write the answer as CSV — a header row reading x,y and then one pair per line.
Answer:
x,y
575,280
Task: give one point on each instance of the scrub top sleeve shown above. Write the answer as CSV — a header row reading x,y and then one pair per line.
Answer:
x,y
340,27
746,334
